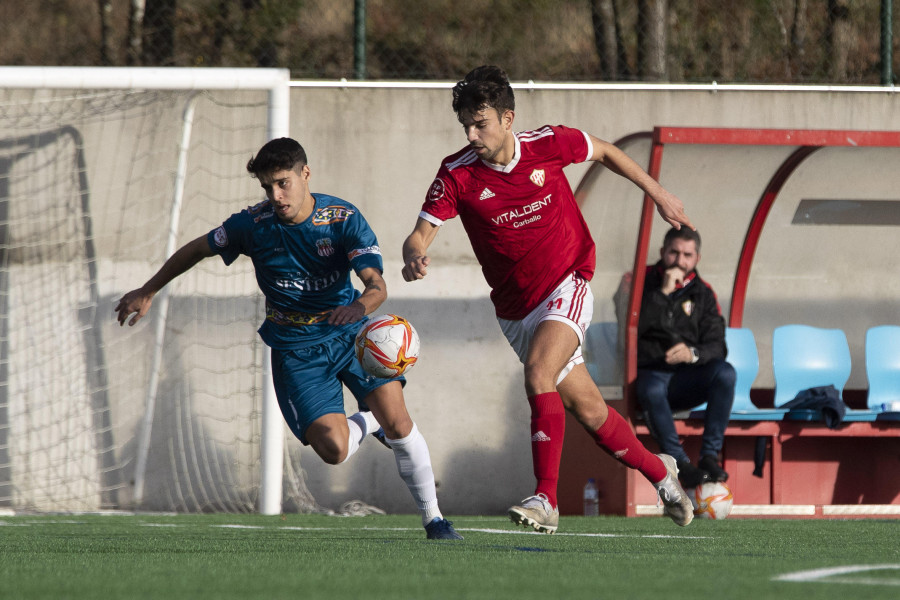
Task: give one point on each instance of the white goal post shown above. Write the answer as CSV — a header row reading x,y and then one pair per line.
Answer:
x,y
94,167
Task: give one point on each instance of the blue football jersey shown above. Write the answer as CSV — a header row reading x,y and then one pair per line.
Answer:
x,y
302,269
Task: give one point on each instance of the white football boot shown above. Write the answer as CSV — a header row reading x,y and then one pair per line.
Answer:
x,y
536,512
677,505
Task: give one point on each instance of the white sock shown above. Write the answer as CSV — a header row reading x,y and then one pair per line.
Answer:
x,y
367,421
360,425
414,466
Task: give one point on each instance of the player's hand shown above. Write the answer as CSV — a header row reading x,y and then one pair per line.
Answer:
x,y
135,301
679,353
671,209
351,313
416,268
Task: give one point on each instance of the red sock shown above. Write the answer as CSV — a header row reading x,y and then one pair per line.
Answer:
x,y
617,438
548,428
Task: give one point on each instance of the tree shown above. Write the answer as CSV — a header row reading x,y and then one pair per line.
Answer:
x,y
838,30
107,57
158,37
608,40
651,30
135,32
799,30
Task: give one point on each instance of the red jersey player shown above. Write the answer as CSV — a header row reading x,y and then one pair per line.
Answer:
x,y
537,254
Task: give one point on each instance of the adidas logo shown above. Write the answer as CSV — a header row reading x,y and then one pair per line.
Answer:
x,y
540,436
486,193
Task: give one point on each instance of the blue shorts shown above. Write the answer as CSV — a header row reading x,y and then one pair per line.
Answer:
x,y
308,381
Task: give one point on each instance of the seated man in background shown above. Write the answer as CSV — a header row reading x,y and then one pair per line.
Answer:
x,y
681,356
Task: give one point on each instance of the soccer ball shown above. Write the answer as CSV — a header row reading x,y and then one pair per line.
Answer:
x,y
712,500
387,346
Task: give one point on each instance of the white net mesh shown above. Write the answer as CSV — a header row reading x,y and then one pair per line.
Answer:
x,y
87,182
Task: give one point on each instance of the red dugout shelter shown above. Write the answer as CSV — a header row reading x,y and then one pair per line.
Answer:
x,y
810,470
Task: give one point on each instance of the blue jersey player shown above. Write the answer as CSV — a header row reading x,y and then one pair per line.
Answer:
x,y
303,247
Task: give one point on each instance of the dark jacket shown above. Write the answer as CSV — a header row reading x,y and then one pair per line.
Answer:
x,y
824,398
690,314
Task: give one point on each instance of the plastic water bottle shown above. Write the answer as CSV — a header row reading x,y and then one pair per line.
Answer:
x,y
890,407
591,498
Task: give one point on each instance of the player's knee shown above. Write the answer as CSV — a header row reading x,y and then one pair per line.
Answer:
x,y
330,450
397,430
591,412
538,377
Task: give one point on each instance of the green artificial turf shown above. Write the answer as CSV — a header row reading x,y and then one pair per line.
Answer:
x,y
315,556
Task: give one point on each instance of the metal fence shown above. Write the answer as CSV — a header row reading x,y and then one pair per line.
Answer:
x,y
729,41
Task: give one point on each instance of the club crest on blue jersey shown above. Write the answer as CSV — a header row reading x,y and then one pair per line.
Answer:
x,y
220,237
331,214
324,247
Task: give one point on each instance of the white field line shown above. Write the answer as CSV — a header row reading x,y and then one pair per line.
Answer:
x,y
475,529
604,535
833,575
367,528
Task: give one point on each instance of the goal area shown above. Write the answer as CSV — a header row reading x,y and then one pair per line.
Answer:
x,y
104,173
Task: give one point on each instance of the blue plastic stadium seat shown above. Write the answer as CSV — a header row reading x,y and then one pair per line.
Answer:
x,y
883,370
804,357
744,357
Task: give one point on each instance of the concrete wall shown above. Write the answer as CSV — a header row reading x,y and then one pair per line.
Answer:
x,y
380,148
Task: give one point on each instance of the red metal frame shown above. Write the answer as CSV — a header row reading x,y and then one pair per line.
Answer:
x,y
808,141
596,168
751,240
631,336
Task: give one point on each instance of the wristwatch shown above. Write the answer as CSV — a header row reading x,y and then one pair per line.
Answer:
x,y
695,356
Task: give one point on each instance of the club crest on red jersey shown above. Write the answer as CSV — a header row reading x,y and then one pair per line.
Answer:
x,y
537,177
436,191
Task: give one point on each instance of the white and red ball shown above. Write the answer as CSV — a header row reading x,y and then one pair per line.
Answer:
x,y
712,500
387,346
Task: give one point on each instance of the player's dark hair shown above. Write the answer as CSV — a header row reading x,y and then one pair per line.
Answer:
x,y
281,154
685,233
486,86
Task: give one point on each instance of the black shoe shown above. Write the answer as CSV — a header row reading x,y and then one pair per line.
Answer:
x,y
441,529
711,465
690,476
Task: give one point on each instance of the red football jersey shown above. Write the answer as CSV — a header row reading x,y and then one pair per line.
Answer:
x,y
522,219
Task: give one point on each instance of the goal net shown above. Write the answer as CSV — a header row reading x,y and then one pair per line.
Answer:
x,y
164,416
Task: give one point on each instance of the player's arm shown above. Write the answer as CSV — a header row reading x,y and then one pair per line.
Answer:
x,y
139,300
415,248
374,293
669,206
